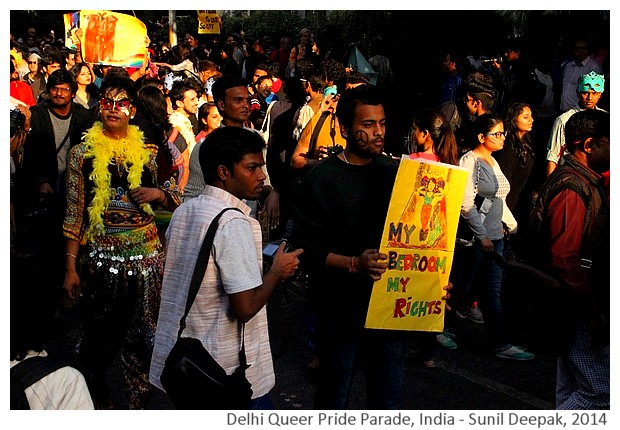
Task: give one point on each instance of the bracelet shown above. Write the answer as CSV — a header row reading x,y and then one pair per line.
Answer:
x,y
352,269
68,254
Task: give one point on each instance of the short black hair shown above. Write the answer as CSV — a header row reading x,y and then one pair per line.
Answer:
x,y
480,87
61,76
225,83
351,99
582,125
177,92
54,56
227,146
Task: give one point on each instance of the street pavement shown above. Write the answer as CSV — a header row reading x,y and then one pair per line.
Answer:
x,y
467,378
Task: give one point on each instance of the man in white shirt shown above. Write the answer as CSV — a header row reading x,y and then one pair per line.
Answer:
x,y
185,103
234,291
590,87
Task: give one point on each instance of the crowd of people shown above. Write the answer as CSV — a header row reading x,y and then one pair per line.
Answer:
x,y
117,173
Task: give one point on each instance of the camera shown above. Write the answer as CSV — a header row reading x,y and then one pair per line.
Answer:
x,y
269,250
334,150
489,60
17,120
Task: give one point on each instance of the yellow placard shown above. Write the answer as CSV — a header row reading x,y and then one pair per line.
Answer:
x,y
418,237
112,38
208,22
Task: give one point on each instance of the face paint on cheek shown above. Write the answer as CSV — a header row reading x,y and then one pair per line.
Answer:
x,y
361,136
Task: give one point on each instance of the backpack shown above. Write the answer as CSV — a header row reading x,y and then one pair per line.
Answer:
x,y
27,372
538,304
451,113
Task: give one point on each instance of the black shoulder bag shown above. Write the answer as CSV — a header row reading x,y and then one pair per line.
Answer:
x,y
191,376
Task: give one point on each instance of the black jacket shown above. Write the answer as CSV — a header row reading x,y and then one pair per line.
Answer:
x,y
40,164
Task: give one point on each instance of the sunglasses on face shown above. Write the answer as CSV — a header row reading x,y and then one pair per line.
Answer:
x,y
33,62
109,104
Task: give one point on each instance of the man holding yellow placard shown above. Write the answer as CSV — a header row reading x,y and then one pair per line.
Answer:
x,y
341,210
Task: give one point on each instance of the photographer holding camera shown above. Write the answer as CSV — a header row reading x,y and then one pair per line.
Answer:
x,y
515,78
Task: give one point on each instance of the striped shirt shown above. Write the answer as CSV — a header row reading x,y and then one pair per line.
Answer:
x,y
237,248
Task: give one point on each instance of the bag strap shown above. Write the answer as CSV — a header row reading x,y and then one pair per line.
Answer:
x,y
201,266
317,131
478,199
33,369
267,121
477,176
199,274
64,140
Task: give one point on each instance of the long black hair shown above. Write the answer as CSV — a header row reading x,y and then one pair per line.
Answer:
x,y
444,141
521,145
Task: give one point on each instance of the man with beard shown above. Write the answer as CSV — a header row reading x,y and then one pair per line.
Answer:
x,y
570,231
184,101
57,125
341,208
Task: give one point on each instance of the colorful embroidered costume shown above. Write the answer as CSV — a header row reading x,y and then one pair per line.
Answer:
x,y
122,259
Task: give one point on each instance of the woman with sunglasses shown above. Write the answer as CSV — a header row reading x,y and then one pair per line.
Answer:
x,y
114,258
486,213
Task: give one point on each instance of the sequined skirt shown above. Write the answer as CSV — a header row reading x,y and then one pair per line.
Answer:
x,y
125,270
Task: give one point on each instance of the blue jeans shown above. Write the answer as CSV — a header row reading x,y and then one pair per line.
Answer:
x,y
383,355
483,269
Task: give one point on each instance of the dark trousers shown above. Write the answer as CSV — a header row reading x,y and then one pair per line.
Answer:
x,y
382,353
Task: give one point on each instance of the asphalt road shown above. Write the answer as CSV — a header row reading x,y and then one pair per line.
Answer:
x,y
467,378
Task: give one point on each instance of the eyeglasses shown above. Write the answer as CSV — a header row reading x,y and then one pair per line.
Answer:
x,y
60,90
33,62
109,104
497,134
